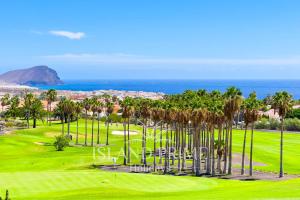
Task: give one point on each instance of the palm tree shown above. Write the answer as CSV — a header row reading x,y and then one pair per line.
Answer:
x,y
5,101
250,106
128,110
78,110
60,110
94,108
155,115
51,96
13,110
99,111
69,107
36,111
282,102
144,106
87,106
247,119
233,102
109,109
256,104
28,99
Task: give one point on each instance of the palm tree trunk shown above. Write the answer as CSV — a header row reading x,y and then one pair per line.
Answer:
x,y
179,158
68,125
183,148
212,146
85,136
281,150
154,152
125,148
92,141
62,125
226,148
160,144
107,130
219,149
77,129
208,161
167,153
197,143
34,123
128,135
251,151
50,109
98,133
230,150
28,117
244,147
145,142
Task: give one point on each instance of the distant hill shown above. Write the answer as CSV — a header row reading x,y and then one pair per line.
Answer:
x,y
39,75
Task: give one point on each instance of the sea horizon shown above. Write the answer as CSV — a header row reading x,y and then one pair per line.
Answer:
x,y
262,87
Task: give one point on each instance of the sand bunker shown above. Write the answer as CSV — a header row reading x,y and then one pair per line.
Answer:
x,y
122,132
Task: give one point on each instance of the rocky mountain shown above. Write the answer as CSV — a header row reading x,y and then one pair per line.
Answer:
x,y
38,75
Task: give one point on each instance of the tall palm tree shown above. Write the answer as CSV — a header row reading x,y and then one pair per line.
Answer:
x,y
128,110
94,109
144,106
87,106
69,107
155,115
232,106
250,106
247,119
282,102
256,105
36,110
99,111
28,99
60,110
51,96
109,110
78,110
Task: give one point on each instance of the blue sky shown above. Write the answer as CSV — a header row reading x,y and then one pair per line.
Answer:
x,y
153,39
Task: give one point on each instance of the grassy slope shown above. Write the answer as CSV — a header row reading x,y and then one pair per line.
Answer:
x,y
33,171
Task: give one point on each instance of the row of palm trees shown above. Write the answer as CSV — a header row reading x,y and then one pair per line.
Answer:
x,y
197,125
68,109
190,120
31,108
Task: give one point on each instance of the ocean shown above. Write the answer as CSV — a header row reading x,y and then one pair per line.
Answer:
x,y
262,87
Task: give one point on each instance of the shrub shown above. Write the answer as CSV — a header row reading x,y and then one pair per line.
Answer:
x,y
61,142
9,124
115,118
20,123
295,113
262,124
274,124
292,124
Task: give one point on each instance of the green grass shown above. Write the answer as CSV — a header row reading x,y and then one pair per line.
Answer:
x,y
34,171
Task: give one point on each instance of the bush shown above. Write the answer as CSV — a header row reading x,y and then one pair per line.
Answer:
x,y
295,113
262,124
292,124
15,123
274,124
20,123
9,124
61,142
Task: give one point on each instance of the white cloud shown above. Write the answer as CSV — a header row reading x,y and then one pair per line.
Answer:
x,y
120,58
68,34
